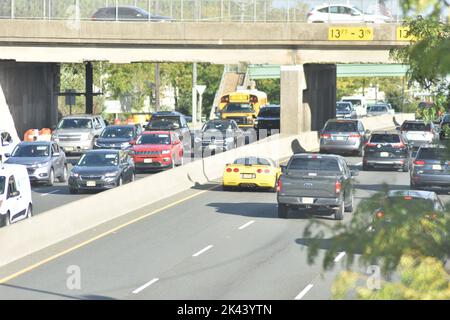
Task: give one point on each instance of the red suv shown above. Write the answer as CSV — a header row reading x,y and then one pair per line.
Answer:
x,y
157,150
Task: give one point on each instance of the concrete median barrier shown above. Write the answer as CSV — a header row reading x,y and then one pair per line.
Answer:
x,y
32,235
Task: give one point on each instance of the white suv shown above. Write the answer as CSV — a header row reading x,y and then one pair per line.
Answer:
x,y
343,13
7,144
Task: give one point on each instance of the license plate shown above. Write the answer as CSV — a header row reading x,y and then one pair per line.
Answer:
x,y
437,167
68,149
384,154
340,138
248,176
148,160
91,184
308,200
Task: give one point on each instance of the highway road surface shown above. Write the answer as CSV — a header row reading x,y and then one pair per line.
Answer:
x,y
201,244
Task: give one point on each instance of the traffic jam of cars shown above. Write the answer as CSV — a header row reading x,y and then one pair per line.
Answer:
x,y
112,155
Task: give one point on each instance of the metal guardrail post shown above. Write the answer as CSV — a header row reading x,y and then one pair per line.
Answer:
x,y
117,10
13,4
182,10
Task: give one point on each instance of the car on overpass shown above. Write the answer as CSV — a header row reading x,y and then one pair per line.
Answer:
x,y
101,170
359,103
127,13
343,136
118,137
77,133
418,204
157,150
386,149
218,136
251,172
343,13
379,110
316,181
345,110
431,168
15,194
45,161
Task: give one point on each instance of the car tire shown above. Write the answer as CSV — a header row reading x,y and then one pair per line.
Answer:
x,y
227,188
5,221
51,179
339,213
133,177
120,182
65,175
405,168
29,211
359,153
366,167
283,211
349,208
73,190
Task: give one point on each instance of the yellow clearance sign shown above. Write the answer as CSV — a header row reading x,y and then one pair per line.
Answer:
x,y
402,34
350,33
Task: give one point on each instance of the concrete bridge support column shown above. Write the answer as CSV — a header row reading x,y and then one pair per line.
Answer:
x,y
308,97
30,91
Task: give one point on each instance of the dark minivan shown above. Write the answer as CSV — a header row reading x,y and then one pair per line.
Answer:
x,y
343,136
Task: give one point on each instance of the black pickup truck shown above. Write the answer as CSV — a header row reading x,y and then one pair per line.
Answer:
x,y
316,180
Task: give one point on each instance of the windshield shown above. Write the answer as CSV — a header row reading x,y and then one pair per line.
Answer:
x,y
432,154
2,185
270,113
353,101
221,126
154,139
378,108
31,151
253,161
81,123
239,107
99,160
343,107
117,132
341,127
411,203
311,164
164,123
385,138
416,127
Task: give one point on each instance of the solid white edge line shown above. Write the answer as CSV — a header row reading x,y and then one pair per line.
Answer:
x,y
202,251
246,225
148,284
339,256
304,292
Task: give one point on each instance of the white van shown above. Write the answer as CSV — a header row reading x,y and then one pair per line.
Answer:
x,y
359,104
15,194
7,144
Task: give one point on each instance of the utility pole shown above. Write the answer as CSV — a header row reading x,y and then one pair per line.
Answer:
x,y
89,88
194,93
157,87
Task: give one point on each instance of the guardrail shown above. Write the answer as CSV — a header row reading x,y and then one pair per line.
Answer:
x,y
32,235
192,10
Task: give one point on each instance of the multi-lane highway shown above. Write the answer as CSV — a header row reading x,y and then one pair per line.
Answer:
x,y
201,244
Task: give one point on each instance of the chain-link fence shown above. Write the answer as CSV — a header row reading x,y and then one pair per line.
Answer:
x,y
193,10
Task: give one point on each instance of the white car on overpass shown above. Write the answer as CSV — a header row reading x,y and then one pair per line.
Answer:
x,y
343,13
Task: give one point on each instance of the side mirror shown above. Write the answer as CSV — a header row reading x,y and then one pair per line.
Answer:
x,y
283,168
367,131
15,194
7,155
354,173
397,128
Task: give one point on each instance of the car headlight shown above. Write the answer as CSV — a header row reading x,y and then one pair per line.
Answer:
x,y
111,175
165,152
75,175
39,165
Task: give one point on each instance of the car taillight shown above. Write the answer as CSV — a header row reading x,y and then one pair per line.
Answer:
x,y
407,197
419,162
325,135
229,170
398,145
355,136
279,185
236,170
338,186
267,171
379,214
370,144
259,170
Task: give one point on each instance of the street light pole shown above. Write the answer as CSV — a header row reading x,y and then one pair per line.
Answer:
x,y
194,93
157,85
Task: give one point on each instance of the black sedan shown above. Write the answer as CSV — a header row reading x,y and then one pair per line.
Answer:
x,y
101,170
268,119
118,137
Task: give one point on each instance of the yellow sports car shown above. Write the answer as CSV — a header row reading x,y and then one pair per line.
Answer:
x,y
251,172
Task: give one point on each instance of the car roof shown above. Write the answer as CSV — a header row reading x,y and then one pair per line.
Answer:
x,y
122,126
269,106
8,168
316,155
429,195
27,143
168,113
386,132
81,116
343,120
102,151
413,121
156,132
